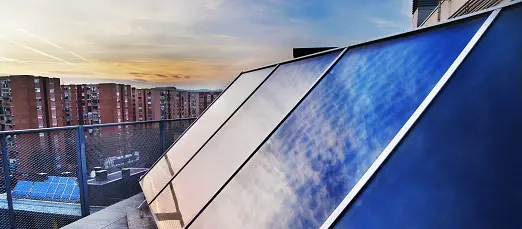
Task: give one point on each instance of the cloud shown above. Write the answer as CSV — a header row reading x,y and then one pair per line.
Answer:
x,y
387,24
209,40
162,76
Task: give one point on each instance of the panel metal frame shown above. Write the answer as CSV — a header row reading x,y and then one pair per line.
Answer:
x,y
364,180
208,140
321,77
215,132
188,128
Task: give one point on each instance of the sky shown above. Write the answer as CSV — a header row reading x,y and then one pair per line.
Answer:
x,y
188,44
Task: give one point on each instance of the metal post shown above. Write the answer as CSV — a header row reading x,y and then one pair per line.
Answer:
x,y
162,135
7,181
82,170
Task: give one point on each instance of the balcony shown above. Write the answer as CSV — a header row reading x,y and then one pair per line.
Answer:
x,y
56,176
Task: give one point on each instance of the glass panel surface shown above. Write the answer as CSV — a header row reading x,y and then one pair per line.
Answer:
x,y
245,131
165,209
201,131
460,166
300,175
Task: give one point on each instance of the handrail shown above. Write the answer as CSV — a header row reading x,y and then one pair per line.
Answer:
x,y
28,131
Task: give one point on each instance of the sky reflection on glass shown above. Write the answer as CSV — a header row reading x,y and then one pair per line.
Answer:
x,y
313,160
459,167
201,130
245,131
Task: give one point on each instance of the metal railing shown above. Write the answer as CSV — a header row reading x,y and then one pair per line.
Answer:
x,y
51,177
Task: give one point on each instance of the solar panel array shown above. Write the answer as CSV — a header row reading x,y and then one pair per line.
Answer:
x,y
54,189
417,130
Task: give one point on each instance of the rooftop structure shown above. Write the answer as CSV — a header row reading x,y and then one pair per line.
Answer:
x,y
429,12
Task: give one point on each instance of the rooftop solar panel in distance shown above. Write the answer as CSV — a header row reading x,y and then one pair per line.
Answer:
x,y
71,180
76,193
22,188
67,192
59,191
51,190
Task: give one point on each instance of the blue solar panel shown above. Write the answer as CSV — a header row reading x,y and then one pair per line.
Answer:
x,y
52,179
67,192
59,191
22,188
51,190
317,155
76,193
71,180
54,188
62,180
460,165
36,190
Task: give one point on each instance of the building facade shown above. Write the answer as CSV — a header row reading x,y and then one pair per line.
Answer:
x,y
30,102
89,104
429,12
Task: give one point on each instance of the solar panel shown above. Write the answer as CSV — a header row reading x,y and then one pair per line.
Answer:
x,y
67,192
459,166
22,188
76,193
35,191
51,190
62,180
206,125
52,179
317,155
59,191
71,180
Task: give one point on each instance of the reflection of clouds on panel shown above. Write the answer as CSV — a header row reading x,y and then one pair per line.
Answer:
x,y
245,130
312,161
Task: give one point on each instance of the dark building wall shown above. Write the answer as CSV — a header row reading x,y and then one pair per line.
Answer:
x,y
108,103
23,102
299,52
421,9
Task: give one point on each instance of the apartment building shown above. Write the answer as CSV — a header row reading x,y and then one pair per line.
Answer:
x,y
428,12
71,113
203,100
89,104
148,104
184,104
30,102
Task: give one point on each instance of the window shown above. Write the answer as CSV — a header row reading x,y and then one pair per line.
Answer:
x,y
51,90
37,89
38,107
36,80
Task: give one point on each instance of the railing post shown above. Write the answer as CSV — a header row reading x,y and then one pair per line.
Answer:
x,y
162,135
82,170
7,181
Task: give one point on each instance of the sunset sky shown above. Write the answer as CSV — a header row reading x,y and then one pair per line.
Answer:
x,y
189,44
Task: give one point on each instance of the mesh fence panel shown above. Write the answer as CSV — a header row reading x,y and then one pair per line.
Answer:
x,y
4,215
44,181
43,170
122,153
174,129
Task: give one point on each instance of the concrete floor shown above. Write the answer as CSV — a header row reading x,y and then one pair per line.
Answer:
x,y
124,214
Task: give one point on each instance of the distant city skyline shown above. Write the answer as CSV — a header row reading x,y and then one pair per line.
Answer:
x,y
188,44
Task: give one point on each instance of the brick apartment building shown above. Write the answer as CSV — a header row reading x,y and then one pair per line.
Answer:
x,y
147,104
30,102
88,104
